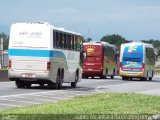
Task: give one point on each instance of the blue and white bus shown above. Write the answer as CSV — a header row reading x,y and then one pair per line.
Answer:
x,y
40,53
137,60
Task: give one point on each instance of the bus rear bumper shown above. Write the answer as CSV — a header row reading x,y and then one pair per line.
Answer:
x,y
28,76
92,73
131,74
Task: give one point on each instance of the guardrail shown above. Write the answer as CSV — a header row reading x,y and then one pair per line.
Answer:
x,y
157,71
4,75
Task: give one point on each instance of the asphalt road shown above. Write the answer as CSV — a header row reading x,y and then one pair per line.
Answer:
x,y
10,96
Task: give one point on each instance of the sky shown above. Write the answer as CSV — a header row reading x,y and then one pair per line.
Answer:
x,y
135,20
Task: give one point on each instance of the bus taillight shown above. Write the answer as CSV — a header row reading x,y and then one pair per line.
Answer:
x,y
48,66
143,66
9,64
120,65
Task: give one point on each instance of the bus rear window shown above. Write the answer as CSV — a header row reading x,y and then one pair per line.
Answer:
x,y
132,59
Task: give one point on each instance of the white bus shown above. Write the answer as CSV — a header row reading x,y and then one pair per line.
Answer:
x,y
40,53
137,60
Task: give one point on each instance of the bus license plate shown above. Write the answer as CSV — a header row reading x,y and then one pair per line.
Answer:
x,y
90,69
28,75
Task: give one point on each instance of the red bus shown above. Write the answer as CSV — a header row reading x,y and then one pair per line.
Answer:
x,y
101,60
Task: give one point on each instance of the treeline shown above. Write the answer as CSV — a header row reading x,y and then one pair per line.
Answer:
x,y
114,39
118,40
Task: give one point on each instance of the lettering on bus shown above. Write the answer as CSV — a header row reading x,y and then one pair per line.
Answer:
x,y
133,49
35,34
90,49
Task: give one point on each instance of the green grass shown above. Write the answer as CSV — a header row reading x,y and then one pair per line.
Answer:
x,y
103,103
3,69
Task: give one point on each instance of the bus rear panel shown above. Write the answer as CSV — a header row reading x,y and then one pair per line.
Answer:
x,y
93,65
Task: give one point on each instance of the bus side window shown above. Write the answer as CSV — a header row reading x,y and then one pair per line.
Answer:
x,y
79,44
69,42
62,41
65,40
54,39
76,42
150,55
73,42
117,56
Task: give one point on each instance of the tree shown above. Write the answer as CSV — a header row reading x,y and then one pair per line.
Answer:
x,y
114,39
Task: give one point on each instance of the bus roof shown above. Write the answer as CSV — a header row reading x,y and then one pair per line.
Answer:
x,y
47,24
138,43
98,43
92,43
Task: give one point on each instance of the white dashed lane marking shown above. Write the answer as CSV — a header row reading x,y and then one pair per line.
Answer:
x,y
19,100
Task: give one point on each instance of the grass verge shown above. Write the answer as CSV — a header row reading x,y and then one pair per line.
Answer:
x,y
103,103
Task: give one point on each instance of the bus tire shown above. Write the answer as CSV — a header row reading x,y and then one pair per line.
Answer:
x,y
150,78
19,84
123,78
85,77
41,84
112,76
74,84
58,84
104,76
28,85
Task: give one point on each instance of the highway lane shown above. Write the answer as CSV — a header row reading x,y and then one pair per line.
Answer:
x,y
10,96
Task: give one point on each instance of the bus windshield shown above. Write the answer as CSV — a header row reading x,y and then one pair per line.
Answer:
x,y
132,56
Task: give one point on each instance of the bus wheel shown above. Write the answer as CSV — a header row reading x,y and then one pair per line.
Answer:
x,y
74,84
123,78
150,78
19,84
58,83
112,76
85,77
28,85
102,77
41,84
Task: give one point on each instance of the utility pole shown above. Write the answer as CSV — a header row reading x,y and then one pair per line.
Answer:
x,y
2,56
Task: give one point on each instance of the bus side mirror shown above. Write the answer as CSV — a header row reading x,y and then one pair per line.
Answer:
x,y
84,55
